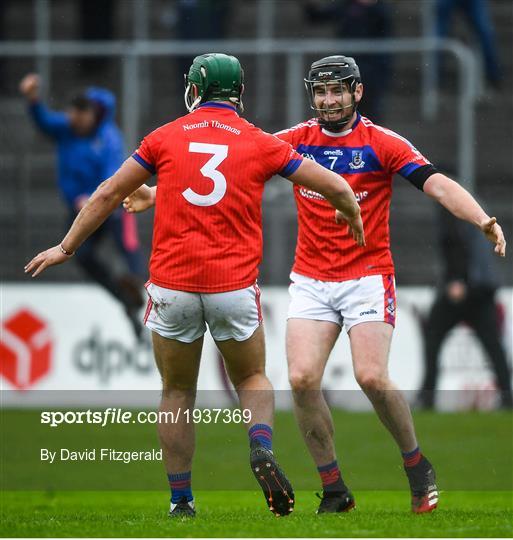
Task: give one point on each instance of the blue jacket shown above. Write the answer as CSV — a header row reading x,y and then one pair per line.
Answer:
x,y
83,162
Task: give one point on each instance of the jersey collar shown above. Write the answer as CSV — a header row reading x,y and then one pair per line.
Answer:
x,y
342,133
218,106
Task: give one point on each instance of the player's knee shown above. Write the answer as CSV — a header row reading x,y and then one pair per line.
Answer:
x,y
371,381
301,380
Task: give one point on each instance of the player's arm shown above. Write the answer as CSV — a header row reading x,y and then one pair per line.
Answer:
x,y
103,202
141,199
336,190
461,204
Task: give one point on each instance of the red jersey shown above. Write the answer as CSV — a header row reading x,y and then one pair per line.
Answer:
x,y
212,166
367,156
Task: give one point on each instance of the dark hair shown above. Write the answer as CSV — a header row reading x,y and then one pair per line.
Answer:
x,y
81,102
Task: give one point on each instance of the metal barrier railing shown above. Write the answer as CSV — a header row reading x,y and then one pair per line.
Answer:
x,y
131,52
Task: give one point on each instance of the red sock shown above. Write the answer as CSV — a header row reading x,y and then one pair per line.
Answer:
x,y
412,458
331,478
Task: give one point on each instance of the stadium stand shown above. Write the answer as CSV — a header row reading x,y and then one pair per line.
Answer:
x,y
32,216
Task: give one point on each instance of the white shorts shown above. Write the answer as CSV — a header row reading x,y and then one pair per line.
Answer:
x,y
184,315
346,303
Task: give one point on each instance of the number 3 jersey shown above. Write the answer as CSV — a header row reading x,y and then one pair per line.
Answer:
x,y
367,156
212,166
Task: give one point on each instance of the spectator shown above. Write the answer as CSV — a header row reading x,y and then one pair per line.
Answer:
x,y
90,149
477,13
466,294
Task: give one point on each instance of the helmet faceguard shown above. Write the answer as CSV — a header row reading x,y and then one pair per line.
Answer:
x,y
214,77
330,70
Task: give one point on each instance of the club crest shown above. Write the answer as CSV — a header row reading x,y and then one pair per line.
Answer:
x,y
356,160
391,306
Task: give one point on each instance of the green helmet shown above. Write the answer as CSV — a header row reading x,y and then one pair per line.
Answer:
x,y
214,77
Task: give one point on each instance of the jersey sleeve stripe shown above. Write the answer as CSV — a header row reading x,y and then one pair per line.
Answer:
x,y
148,166
291,167
408,169
419,175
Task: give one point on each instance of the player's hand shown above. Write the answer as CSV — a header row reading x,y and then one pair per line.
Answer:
x,y
493,232
47,258
29,86
140,200
355,226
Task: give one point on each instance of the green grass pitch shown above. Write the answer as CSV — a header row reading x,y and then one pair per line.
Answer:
x,y
472,453
243,514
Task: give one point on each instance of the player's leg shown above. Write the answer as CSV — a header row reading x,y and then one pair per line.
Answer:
x,y
312,330
313,327
370,345
235,321
369,306
309,344
245,365
177,324
178,365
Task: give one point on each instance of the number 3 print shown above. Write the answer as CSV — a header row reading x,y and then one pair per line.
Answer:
x,y
220,152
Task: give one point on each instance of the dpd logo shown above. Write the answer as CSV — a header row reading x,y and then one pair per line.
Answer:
x,y
25,349
108,358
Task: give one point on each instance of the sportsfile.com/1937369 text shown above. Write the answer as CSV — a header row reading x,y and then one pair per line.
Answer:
x,y
114,415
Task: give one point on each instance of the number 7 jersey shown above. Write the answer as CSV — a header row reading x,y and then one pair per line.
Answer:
x,y
367,156
211,168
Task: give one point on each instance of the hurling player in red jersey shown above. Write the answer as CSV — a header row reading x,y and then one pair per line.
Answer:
x,y
207,244
335,284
